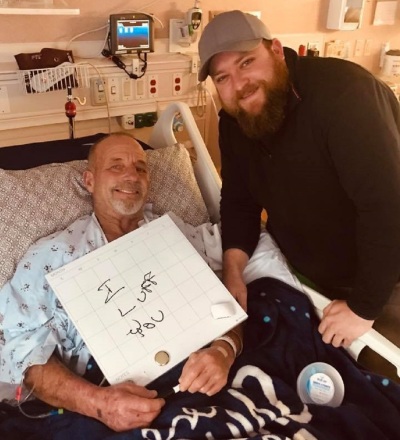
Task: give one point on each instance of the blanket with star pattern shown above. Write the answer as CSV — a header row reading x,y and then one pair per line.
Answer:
x,y
260,400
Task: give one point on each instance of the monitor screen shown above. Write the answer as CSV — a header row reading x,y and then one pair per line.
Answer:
x,y
131,33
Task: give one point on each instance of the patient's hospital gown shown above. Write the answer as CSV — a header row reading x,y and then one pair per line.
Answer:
x,y
34,323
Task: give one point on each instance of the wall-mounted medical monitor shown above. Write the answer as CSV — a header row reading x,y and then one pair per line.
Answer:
x,y
131,33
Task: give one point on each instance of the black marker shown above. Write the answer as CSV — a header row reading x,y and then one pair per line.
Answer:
x,y
169,392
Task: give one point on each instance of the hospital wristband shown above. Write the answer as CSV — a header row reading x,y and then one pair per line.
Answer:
x,y
239,339
229,341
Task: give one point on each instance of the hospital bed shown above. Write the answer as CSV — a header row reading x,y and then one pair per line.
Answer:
x,y
261,399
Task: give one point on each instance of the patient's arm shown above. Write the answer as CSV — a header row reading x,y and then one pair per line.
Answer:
x,y
121,407
206,371
234,263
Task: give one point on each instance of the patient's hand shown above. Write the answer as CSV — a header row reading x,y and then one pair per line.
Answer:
x,y
121,407
206,371
126,406
340,326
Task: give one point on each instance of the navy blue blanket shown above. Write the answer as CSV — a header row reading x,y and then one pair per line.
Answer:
x,y
261,402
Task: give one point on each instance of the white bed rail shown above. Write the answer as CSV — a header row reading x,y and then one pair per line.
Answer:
x,y
206,174
372,338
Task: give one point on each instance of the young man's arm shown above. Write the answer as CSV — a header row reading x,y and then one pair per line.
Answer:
x,y
234,263
121,407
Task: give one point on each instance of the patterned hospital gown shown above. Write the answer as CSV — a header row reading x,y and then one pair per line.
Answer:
x,y
32,320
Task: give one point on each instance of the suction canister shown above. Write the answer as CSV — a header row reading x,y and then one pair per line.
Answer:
x,y
391,63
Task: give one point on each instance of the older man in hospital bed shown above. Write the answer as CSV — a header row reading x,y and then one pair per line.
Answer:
x,y
35,325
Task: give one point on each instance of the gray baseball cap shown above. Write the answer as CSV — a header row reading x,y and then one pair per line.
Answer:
x,y
229,32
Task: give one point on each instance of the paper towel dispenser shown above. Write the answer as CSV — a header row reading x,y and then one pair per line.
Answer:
x,y
345,14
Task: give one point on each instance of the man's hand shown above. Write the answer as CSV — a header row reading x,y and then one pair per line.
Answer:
x,y
340,326
121,407
126,406
234,263
206,371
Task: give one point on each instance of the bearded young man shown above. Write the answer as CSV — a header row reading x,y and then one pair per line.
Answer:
x,y
316,142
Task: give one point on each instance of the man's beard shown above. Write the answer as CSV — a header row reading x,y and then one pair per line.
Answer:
x,y
127,208
270,118
130,206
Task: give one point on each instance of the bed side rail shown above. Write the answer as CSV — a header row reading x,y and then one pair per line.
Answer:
x,y
372,338
204,169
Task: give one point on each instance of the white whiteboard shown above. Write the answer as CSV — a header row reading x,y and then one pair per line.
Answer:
x,y
144,293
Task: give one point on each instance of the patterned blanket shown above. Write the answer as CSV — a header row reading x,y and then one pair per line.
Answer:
x,y
261,401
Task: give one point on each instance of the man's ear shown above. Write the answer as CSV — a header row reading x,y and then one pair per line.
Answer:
x,y
88,180
277,47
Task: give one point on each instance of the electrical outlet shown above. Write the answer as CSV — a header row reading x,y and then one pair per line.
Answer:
x,y
177,84
367,48
152,81
97,91
359,48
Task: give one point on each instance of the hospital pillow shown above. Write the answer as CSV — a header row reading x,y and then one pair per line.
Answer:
x,y
38,201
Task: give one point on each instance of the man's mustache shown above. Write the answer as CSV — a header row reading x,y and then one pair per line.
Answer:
x,y
246,90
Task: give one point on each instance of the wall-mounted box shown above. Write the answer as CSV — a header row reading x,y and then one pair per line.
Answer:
x,y
345,14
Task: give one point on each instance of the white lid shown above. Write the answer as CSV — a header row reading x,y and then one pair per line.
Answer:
x,y
321,384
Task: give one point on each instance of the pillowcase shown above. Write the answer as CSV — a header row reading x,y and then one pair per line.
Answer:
x,y
39,201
